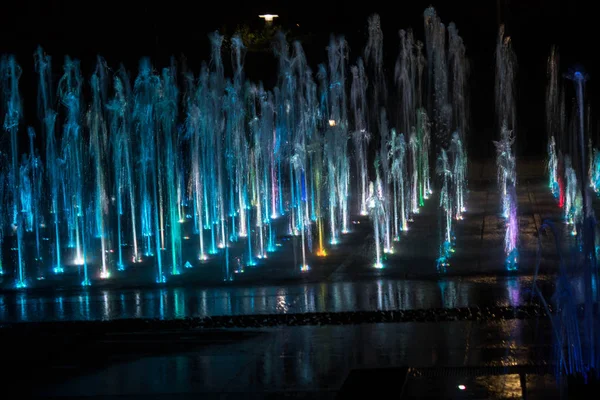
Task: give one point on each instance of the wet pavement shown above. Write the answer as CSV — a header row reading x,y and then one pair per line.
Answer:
x,y
491,359
316,361
169,303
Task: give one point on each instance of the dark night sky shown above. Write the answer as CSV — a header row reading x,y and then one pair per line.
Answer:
x,y
125,30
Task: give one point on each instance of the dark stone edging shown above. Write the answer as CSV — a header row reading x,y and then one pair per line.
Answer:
x,y
482,314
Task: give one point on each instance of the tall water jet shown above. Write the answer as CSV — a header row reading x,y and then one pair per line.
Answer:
x,y
506,164
573,200
376,205
239,146
415,150
553,121
438,104
169,165
459,71
34,173
337,56
459,174
3,209
406,81
373,57
145,95
383,161
72,179
424,140
505,159
444,170
458,67
591,357
361,135
398,155
11,72
47,116
217,85
98,151
124,185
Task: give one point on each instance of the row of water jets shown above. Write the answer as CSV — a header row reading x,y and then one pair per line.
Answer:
x,y
140,169
574,174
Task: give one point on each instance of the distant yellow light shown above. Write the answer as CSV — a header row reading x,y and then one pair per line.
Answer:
x,y
268,17
332,122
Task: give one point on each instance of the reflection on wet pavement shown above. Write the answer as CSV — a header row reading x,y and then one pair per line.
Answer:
x,y
168,303
318,359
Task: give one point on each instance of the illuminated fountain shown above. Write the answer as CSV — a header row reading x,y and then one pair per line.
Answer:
x,y
574,314
11,73
446,102
400,186
505,157
361,135
376,206
154,175
446,206
573,201
558,146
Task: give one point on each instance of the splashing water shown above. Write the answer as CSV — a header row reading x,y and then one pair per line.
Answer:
x,y
145,170
444,170
505,158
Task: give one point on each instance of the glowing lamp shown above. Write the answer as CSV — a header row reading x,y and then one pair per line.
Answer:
x,y
462,387
268,17
332,122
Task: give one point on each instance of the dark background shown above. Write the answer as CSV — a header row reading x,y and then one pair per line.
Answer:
x,y
125,30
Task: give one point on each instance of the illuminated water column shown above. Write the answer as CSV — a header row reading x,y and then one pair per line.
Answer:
x,y
507,186
330,160
588,231
299,180
505,159
284,107
71,176
414,146
120,152
2,209
53,174
47,117
399,173
377,211
459,175
197,176
553,120
35,165
337,53
11,72
383,162
145,96
573,210
269,142
423,133
444,170
99,150
169,151
218,91
361,136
